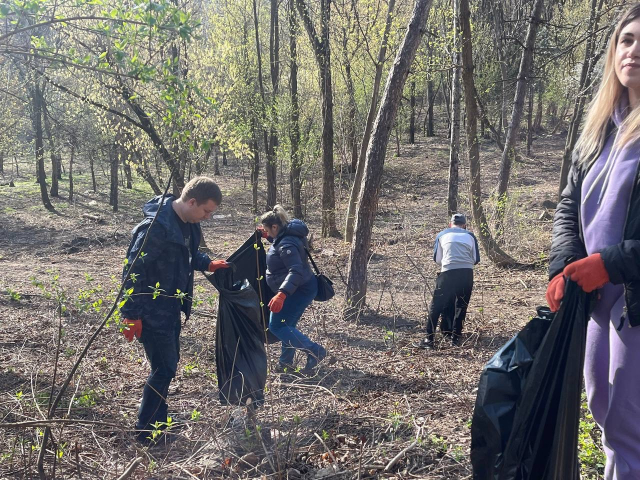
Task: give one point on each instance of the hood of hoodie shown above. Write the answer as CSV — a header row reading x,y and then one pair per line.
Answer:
x,y
297,228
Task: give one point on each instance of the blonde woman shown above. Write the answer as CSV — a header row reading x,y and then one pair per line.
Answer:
x,y
289,274
596,242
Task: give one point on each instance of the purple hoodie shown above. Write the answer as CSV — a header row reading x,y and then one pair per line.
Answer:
x,y
606,192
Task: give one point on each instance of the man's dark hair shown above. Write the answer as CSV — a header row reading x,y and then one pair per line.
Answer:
x,y
202,189
458,219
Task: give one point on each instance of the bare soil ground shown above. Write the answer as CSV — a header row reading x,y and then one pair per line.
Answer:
x,y
380,397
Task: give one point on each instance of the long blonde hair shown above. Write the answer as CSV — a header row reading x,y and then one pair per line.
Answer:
x,y
606,99
277,216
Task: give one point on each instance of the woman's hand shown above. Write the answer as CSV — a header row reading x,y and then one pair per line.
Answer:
x,y
555,292
590,273
275,304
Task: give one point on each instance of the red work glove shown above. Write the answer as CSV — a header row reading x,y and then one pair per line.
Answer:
x,y
275,304
262,231
216,264
133,328
555,292
589,272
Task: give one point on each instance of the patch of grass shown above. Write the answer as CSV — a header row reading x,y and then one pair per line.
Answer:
x,y
590,453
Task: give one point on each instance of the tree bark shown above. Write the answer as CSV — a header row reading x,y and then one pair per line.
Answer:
x,y
71,159
114,162
322,51
431,96
296,163
37,106
55,160
489,245
352,143
454,146
412,114
368,199
357,181
524,74
255,167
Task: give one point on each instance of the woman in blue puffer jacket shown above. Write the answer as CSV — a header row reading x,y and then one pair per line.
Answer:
x,y
289,274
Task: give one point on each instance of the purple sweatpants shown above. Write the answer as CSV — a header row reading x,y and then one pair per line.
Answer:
x,y
612,382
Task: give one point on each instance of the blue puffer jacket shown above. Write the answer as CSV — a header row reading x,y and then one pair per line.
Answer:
x,y
287,265
165,262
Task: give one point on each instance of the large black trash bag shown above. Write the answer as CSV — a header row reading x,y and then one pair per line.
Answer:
x,y
241,329
525,423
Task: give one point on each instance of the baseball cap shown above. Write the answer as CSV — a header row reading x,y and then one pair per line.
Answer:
x,y
458,219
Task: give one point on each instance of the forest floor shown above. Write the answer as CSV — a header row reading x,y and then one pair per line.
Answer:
x,y
378,396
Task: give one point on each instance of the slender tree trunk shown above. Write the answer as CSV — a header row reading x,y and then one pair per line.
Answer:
x,y
352,143
489,245
357,181
114,162
126,166
322,50
374,164
216,161
55,161
255,168
296,163
498,31
37,102
1,161
432,100
584,90
412,114
454,146
94,186
224,157
71,159
524,74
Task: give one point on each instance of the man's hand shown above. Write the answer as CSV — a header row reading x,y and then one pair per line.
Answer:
x,y
263,232
590,273
133,328
216,264
555,292
275,304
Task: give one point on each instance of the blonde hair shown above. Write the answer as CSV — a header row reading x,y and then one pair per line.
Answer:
x,y
277,216
606,99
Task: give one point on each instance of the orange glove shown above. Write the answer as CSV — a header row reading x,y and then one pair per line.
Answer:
x,y
133,328
262,231
216,264
555,292
590,273
275,304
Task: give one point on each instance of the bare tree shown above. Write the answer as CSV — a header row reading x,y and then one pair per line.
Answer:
x,y
374,162
296,163
357,181
491,248
322,51
454,150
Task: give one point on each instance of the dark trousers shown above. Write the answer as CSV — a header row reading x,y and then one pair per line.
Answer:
x,y
450,299
163,352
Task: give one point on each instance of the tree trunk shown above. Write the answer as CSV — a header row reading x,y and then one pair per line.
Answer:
x,y
454,146
94,186
55,161
352,143
255,167
530,119
1,161
322,50
216,161
296,163
412,114
498,31
37,106
374,163
71,159
224,157
126,166
489,245
114,162
524,74
584,89
431,96
357,181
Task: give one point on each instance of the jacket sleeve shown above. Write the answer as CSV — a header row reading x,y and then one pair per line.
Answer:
x,y
622,261
135,275
290,257
437,251
566,244
476,252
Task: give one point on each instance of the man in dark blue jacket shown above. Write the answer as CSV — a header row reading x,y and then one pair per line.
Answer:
x,y
159,285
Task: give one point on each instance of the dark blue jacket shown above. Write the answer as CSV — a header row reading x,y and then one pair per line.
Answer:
x,y
287,265
165,262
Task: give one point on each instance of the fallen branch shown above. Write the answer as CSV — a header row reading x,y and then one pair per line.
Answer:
x,y
127,473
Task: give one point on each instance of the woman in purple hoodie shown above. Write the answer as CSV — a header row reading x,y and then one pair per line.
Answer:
x,y
596,243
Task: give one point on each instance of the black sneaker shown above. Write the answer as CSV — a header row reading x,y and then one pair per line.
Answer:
x,y
314,360
427,344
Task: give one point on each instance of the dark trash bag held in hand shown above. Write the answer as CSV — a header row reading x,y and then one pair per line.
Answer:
x,y
241,359
525,422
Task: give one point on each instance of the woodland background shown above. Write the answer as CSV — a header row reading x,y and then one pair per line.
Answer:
x,y
373,121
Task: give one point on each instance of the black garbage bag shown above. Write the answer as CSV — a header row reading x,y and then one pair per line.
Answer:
x,y
241,329
525,422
